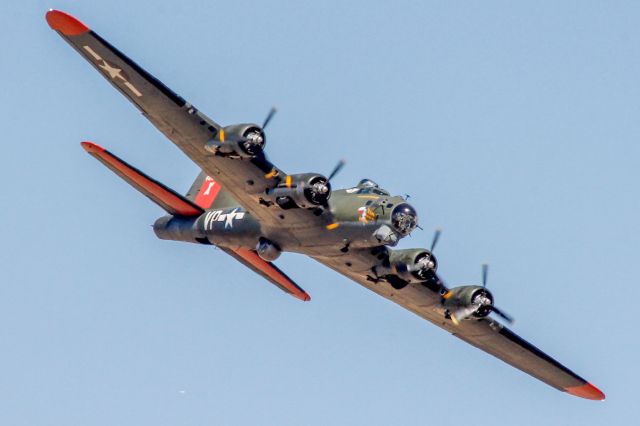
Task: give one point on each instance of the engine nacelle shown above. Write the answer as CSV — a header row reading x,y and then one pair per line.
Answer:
x,y
474,297
305,190
239,141
413,265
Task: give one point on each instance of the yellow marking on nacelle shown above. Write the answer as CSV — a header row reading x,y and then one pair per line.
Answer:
x,y
447,295
332,226
271,174
373,197
222,135
288,181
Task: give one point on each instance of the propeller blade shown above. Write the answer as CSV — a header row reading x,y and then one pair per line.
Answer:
x,y
485,273
269,116
336,169
505,316
436,237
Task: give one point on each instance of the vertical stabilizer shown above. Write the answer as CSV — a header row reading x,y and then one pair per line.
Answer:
x,y
209,194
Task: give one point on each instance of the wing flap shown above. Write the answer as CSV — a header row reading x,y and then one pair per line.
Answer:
x,y
163,196
268,270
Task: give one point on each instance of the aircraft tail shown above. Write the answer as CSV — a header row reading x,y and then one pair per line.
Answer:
x,y
209,194
172,202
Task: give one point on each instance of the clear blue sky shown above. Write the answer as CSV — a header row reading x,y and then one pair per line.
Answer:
x,y
514,126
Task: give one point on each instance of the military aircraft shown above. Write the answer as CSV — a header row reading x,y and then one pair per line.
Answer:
x,y
254,211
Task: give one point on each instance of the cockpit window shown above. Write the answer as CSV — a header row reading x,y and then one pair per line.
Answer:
x,y
367,183
367,186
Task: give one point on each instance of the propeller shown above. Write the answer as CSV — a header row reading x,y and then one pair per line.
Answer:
x,y
321,189
269,116
508,318
428,263
485,273
436,237
336,169
253,141
482,303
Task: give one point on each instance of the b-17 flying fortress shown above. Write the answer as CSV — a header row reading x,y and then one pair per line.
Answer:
x,y
254,211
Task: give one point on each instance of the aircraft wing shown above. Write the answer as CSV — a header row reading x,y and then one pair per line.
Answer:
x,y
182,123
486,334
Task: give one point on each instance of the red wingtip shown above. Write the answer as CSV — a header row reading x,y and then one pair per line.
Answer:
x,y
587,391
91,147
65,23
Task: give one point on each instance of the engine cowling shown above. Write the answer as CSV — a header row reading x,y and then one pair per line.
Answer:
x,y
239,140
413,265
305,190
468,301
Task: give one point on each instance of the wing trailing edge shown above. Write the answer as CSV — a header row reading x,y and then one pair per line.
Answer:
x,y
165,197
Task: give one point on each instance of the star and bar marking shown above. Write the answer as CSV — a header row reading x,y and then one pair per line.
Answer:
x,y
112,71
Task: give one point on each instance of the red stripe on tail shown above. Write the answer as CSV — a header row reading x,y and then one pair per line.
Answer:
x,y
208,193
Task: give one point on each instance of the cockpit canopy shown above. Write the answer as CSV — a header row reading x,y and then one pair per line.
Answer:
x,y
367,186
367,183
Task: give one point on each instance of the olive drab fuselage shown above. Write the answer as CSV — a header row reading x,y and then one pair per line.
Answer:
x,y
357,217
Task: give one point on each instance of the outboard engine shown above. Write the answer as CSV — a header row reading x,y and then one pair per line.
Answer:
x,y
468,301
238,141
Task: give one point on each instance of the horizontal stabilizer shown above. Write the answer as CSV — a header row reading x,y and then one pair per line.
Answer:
x,y
166,198
268,270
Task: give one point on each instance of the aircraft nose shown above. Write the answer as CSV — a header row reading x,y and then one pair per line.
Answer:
x,y
404,219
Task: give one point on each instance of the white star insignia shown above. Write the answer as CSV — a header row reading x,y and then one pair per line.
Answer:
x,y
112,71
